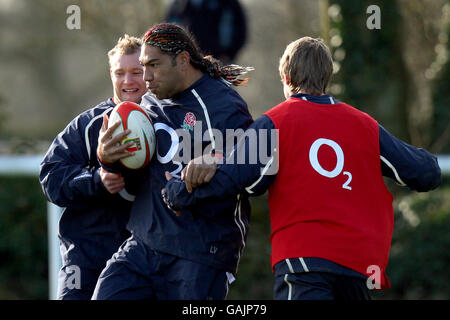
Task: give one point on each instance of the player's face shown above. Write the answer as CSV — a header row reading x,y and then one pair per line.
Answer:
x,y
161,72
127,78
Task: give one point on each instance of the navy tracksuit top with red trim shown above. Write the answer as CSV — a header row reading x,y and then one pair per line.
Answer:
x,y
327,197
93,224
211,233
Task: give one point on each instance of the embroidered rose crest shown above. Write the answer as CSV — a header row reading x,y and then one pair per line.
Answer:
x,y
189,121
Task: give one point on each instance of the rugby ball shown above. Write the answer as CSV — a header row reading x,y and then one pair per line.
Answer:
x,y
133,117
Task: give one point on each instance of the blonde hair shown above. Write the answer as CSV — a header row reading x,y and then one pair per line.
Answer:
x,y
308,64
125,45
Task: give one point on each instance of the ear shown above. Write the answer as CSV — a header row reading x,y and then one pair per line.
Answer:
x,y
287,80
183,58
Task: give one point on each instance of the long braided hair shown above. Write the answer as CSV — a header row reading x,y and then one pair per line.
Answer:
x,y
173,39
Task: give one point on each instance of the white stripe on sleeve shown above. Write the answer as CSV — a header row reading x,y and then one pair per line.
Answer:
x,y
249,189
397,177
86,131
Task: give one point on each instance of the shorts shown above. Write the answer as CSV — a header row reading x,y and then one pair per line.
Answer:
x,y
319,286
137,272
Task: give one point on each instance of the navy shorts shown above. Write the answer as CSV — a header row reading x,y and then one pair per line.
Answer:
x,y
137,272
319,286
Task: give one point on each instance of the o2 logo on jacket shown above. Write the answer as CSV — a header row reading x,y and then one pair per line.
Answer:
x,y
313,151
174,139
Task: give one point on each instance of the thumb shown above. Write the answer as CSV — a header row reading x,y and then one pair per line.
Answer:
x,y
105,122
168,176
183,173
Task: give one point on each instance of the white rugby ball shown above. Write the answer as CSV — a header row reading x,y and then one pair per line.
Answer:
x,y
133,117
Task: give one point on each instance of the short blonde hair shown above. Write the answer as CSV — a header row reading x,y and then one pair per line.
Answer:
x,y
125,45
308,64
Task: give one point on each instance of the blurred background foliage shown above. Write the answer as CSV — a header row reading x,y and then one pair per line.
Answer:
x,y
23,239
399,74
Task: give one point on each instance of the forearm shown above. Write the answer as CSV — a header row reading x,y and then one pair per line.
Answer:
x,y
71,185
251,167
407,165
221,186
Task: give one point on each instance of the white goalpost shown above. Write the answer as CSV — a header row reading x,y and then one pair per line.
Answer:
x,y
28,165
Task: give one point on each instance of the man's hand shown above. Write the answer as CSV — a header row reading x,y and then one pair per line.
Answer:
x,y
199,170
163,193
109,149
113,182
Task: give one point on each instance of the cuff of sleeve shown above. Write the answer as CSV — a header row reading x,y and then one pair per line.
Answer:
x,y
176,194
98,183
111,167
101,161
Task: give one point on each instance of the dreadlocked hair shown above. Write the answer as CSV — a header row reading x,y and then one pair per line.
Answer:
x,y
173,39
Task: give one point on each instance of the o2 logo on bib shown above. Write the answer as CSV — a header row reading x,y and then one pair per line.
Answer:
x,y
313,151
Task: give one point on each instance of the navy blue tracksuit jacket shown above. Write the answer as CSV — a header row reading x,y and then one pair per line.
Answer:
x,y
213,233
93,224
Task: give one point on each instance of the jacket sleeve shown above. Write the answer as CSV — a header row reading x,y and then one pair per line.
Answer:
x,y
407,165
66,176
251,167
